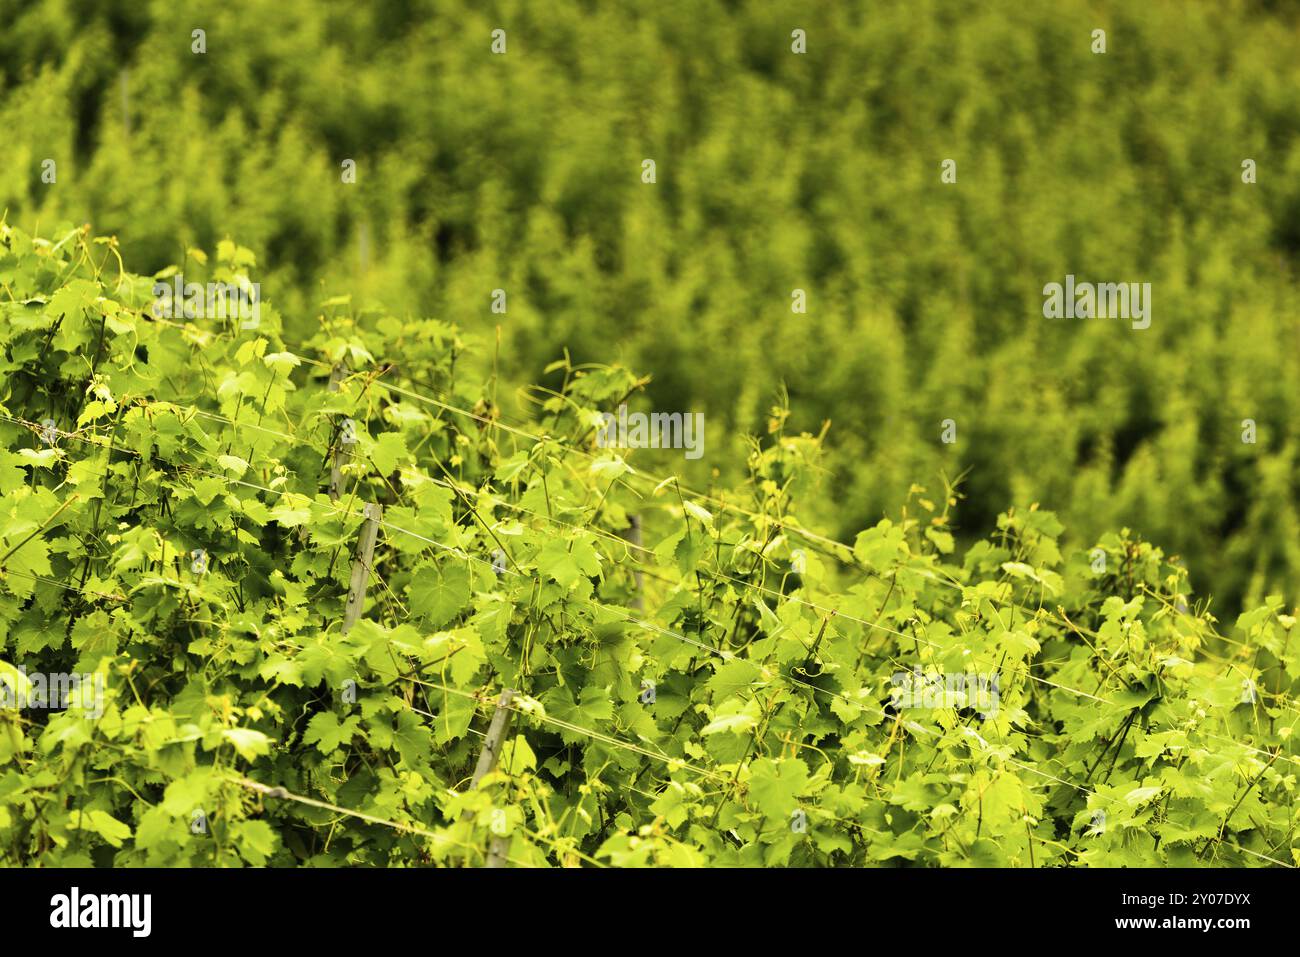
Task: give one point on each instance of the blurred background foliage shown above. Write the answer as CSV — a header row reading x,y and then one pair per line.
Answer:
x,y
775,171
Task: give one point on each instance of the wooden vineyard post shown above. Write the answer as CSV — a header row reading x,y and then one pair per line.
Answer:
x,y
361,566
337,459
497,850
487,760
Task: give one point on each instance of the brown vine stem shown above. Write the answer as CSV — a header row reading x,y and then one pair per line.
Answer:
x,y
1250,787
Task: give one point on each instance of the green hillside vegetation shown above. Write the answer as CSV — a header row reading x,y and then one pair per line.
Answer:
x,y
775,172
354,581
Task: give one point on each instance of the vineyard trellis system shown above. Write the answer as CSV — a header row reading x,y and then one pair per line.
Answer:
x,y
502,674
